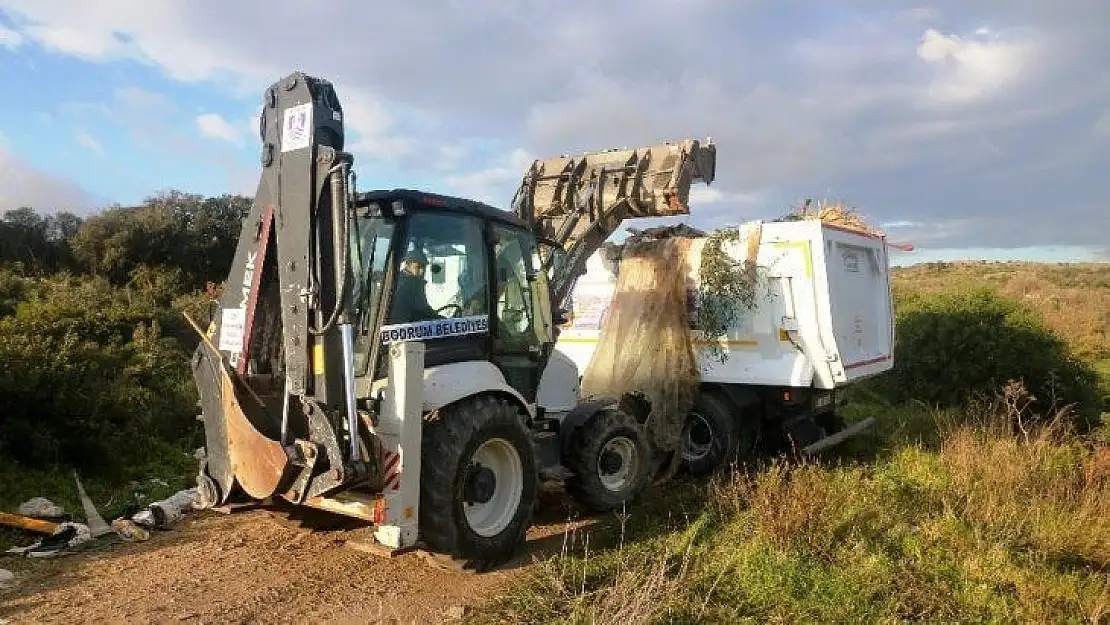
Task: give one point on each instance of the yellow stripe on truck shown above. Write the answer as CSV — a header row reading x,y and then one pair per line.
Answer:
x,y
807,254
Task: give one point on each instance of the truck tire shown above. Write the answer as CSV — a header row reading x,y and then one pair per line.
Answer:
x,y
709,437
610,458
479,481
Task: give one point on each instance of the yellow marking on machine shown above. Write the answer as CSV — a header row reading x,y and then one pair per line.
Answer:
x,y
318,359
807,254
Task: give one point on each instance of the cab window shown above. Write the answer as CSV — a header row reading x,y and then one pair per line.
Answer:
x,y
515,310
441,271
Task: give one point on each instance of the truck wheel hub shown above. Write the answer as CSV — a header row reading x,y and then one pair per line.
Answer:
x,y
699,438
617,463
610,462
480,484
493,487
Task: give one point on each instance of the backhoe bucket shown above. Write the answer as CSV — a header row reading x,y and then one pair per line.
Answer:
x,y
240,448
257,462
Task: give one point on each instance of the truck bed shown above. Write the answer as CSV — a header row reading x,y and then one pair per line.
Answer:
x,y
824,316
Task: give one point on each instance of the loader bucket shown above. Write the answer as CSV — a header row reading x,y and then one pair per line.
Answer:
x,y
578,201
652,181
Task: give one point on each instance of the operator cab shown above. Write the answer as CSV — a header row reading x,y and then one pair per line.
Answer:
x,y
462,276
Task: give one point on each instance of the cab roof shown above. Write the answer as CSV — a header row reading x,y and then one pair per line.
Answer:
x,y
438,201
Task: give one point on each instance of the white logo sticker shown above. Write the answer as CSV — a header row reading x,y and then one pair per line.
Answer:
x,y
297,128
231,329
434,329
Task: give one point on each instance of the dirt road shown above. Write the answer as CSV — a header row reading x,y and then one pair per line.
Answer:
x,y
255,566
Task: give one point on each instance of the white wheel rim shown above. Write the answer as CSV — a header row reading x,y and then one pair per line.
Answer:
x,y
693,450
626,450
492,517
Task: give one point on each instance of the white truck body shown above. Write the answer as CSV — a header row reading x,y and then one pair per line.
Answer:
x,y
824,314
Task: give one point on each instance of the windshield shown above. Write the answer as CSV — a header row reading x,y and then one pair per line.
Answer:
x,y
370,253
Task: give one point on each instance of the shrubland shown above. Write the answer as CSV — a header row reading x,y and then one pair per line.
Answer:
x,y
95,351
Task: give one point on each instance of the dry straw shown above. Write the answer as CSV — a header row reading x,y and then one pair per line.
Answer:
x,y
833,213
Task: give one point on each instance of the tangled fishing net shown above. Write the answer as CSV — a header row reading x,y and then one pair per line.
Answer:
x,y
644,349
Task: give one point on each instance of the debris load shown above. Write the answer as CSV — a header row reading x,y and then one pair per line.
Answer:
x,y
41,508
161,514
834,214
644,347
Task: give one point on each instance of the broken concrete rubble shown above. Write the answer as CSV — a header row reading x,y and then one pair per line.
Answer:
x,y
41,508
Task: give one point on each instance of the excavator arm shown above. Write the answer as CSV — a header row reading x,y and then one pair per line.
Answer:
x,y
273,368
577,202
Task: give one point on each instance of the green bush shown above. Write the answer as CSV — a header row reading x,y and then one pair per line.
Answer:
x,y
951,346
90,379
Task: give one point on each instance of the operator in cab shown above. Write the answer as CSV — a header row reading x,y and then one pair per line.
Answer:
x,y
410,300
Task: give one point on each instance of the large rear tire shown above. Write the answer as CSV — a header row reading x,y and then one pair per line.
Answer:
x,y
479,481
611,461
715,436
709,436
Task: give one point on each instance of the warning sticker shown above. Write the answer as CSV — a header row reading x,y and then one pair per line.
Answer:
x,y
296,131
434,329
231,329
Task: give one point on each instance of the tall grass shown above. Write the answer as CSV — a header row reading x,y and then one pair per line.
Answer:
x,y
999,521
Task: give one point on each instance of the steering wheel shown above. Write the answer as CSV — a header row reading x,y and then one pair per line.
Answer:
x,y
458,309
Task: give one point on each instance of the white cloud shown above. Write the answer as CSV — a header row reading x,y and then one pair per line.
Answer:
x,y
496,184
9,38
702,194
88,43
216,127
852,97
450,156
1102,125
901,223
973,70
85,140
46,192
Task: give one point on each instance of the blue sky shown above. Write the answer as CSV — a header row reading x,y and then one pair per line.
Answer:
x,y
970,128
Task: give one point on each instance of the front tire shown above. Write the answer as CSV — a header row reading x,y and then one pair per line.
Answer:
x,y
610,458
479,482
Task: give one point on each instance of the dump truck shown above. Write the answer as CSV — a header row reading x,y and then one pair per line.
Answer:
x,y
819,319
391,355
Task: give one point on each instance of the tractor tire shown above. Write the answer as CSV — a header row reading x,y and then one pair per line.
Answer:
x,y
611,461
478,481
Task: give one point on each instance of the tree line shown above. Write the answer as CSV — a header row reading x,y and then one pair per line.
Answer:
x,y
174,230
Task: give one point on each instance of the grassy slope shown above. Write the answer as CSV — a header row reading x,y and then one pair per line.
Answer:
x,y
982,526
935,517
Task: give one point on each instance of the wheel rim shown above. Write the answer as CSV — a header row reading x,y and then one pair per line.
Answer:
x,y
699,438
617,463
493,487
